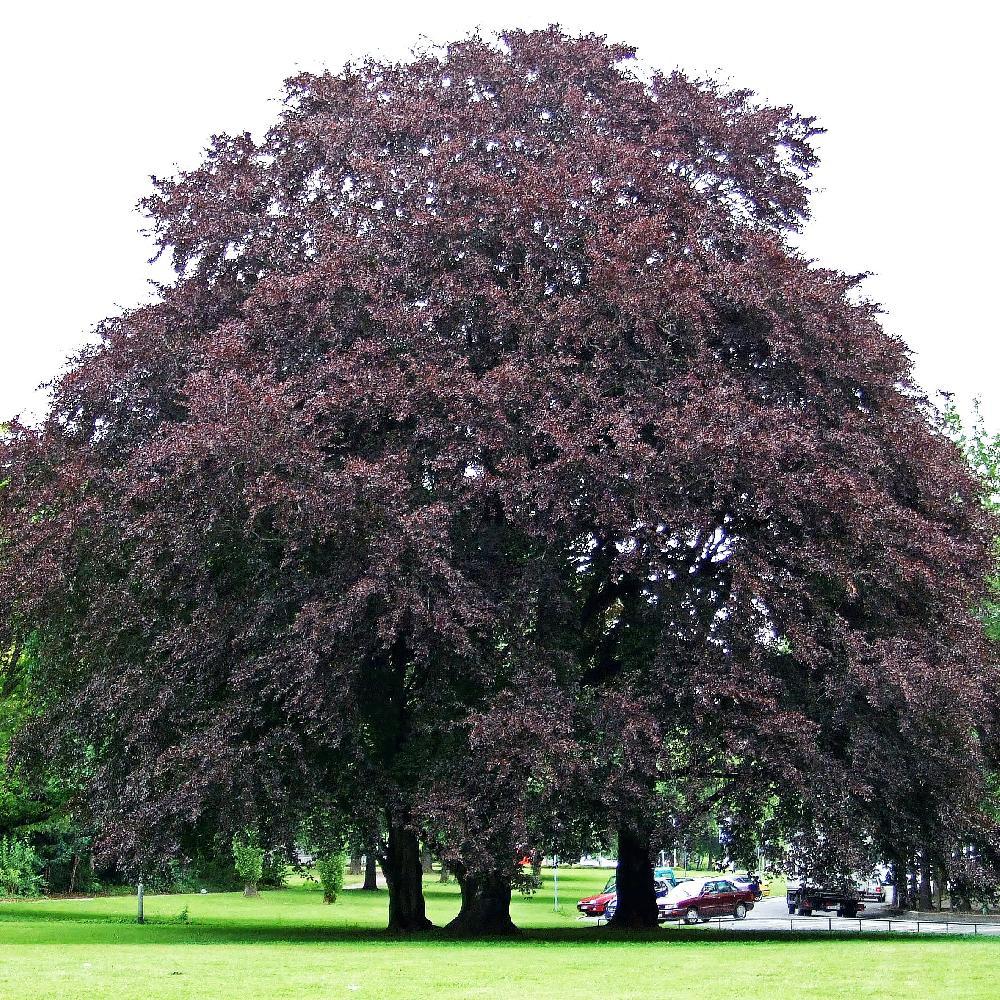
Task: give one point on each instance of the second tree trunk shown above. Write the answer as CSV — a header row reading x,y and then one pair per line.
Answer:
x,y
371,872
635,907
405,879
485,905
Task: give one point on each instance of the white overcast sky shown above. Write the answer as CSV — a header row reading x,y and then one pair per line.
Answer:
x,y
97,96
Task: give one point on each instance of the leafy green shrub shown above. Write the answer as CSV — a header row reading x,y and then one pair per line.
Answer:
x,y
180,877
330,871
116,889
169,875
20,869
275,870
214,871
248,857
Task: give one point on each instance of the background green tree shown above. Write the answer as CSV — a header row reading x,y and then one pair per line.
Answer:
x,y
248,859
982,448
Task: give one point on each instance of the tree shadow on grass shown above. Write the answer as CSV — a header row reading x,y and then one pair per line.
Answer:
x,y
32,925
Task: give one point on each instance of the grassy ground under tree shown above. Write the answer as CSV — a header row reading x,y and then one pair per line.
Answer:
x,y
288,944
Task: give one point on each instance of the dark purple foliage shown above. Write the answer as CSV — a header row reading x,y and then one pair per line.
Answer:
x,y
494,446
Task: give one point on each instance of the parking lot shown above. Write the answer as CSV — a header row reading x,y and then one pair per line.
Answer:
x,y
771,914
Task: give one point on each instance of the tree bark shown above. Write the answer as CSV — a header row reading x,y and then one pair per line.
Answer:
x,y
485,906
445,874
636,904
924,893
426,859
911,886
355,865
898,883
401,865
371,872
250,889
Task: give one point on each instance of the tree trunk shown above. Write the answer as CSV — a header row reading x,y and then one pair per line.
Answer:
x,y
445,874
911,887
371,872
898,883
250,889
72,874
636,904
405,879
485,906
426,859
355,865
924,895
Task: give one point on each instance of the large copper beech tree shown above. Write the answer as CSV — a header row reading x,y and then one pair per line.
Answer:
x,y
492,448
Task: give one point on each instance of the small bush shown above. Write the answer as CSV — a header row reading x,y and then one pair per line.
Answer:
x,y
20,869
330,871
275,870
248,857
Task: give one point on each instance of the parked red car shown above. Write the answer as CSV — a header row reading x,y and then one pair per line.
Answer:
x,y
705,900
594,906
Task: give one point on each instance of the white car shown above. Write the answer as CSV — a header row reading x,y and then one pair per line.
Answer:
x,y
872,889
689,887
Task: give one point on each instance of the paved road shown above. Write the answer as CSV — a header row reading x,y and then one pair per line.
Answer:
x,y
771,914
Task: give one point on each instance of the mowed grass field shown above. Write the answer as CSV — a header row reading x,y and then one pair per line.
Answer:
x,y
288,944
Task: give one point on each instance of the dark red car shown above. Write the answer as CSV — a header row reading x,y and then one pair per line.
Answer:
x,y
594,906
704,899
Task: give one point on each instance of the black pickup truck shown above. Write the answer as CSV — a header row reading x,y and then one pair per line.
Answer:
x,y
806,898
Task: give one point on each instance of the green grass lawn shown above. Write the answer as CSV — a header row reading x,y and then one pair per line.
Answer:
x,y
288,944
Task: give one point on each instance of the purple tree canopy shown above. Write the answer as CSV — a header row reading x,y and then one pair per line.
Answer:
x,y
492,409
